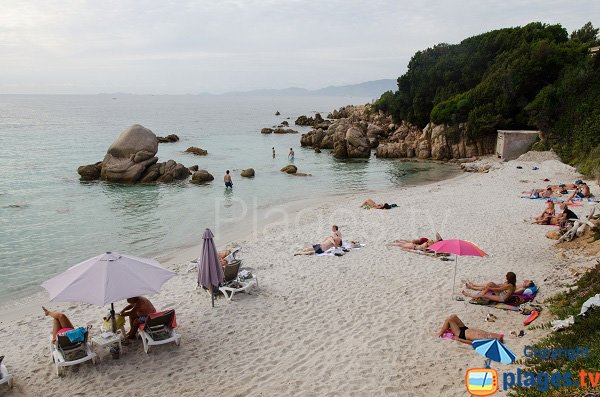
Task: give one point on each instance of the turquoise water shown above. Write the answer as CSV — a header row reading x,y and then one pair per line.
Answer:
x,y
50,220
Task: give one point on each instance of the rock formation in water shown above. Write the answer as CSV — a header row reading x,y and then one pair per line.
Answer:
x,y
196,150
289,169
168,139
131,158
201,176
309,121
248,173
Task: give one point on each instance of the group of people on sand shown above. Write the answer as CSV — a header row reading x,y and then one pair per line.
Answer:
x,y
579,190
138,309
493,292
549,216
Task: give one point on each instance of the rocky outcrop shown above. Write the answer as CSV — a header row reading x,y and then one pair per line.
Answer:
x,y
131,158
350,141
196,150
266,131
285,123
201,176
193,168
310,121
277,113
168,139
248,173
289,169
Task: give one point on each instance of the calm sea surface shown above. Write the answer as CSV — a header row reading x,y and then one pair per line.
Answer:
x,y
49,220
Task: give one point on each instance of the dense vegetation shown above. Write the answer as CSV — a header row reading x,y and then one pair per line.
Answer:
x,y
535,76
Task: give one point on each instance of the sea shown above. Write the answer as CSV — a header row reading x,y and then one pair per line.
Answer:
x,y
50,220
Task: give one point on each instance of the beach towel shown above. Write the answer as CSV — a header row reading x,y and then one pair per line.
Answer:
x,y
512,303
346,245
76,335
173,323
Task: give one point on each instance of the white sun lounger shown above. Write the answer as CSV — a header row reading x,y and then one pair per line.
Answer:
x,y
232,283
64,353
5,376
158,331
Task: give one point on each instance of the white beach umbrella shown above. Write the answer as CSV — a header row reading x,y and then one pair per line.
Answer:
x,y
107,278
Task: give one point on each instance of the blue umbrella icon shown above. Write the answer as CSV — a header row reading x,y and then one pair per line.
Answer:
x,y
493,349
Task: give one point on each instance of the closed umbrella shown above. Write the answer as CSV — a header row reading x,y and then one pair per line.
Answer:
x,y
107,278
458,248
210,272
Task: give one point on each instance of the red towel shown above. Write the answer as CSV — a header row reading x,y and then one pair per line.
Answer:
x,y
157,314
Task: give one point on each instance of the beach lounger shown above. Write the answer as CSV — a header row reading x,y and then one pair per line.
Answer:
x,y
159,329
5,376
232,283
65,353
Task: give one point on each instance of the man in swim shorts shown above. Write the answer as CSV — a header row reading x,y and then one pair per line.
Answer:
x,y
227,180
137,310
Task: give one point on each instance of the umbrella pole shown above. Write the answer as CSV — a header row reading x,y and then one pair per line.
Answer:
x,y
113,319
454,280
212,296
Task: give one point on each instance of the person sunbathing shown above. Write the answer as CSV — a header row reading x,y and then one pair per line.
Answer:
x,y
60,323
497,293
548,216
420,244
137,310
526,287
222,257
539,193
327,243
465,334
369,203
582,191
336,235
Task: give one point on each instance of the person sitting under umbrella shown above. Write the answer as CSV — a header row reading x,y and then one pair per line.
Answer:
x,y
60,324
464,334
137,310
497,293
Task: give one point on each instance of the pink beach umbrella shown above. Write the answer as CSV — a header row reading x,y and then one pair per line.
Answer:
x,y
458,248
210,273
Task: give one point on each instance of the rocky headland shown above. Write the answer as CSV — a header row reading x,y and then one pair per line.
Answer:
x,y
353,131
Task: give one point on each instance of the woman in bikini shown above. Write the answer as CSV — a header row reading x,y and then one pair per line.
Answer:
x,y
465,334
546,217
499,293
527,286
60,323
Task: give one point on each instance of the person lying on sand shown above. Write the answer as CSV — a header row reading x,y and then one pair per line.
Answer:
x,y
328,243
526,287
465,334
60,323
137,310
369,203
548,216
539,193
497,293
562,187
420,244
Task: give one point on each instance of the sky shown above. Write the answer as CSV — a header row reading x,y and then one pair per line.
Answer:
x,y
188,47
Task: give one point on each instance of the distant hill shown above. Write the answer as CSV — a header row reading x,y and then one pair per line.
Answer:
x,y
372,89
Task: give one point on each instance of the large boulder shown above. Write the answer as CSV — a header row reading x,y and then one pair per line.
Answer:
x,y
284,131
129,155
201,176
266,131
248,173
351,143
289,169
169,171
196,150
90,172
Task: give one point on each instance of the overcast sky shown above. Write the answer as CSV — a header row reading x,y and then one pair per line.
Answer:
x,y
178,47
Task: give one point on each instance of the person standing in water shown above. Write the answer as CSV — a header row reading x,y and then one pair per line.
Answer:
x,y
273,151
227,180
291,155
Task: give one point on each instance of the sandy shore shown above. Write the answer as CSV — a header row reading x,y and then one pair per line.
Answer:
x,y
359,325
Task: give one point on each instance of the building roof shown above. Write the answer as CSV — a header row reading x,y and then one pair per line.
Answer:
x,y
519,131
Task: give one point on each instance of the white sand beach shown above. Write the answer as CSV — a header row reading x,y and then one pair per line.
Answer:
x,y
359,325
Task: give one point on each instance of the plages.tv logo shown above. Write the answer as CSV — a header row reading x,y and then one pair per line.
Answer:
x,y
482,381
485,381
